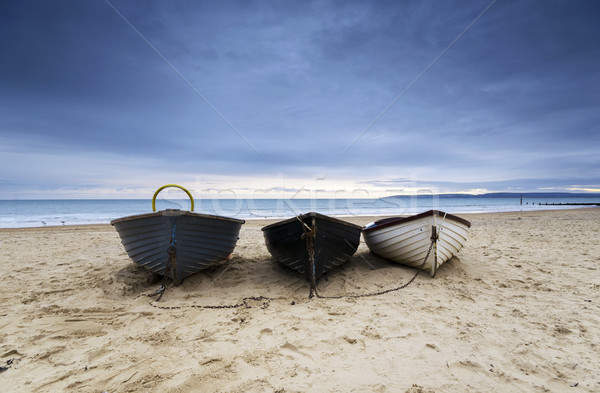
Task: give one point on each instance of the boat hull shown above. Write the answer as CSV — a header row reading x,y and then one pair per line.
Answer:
x,y
407,240
334,242
177,243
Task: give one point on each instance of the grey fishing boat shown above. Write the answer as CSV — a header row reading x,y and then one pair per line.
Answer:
x,y
312,243
177,243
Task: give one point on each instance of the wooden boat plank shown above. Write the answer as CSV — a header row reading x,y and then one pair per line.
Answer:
x,y
446,238
155,265
444,254
412,254
453,238
186,241
155,252
459,232
383,240
157,255
219,242
391,245
449,248
135,246
396,230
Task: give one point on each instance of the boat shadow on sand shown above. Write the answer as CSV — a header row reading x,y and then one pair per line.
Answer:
x,y
366,272
363,272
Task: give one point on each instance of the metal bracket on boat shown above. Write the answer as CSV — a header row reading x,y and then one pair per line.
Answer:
x,y
434,238
172,262
176,186
434,234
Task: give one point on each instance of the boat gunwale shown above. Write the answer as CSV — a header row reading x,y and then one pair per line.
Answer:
x,y
308,215
390,221
175,212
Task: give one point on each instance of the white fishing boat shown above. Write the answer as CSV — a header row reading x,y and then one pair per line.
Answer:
x,y
407,240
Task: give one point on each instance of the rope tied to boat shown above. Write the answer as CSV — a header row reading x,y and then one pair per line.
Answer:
x,y
309,235
304,225
170,268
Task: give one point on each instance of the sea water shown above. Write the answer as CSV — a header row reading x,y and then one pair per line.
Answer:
x,y
37,213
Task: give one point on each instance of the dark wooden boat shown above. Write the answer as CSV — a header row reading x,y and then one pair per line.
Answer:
x,y
312,243
177,243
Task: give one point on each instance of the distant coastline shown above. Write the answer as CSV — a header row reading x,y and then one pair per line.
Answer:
x,y
424,195
506,195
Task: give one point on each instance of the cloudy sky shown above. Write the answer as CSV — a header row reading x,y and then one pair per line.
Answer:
x,y
111,99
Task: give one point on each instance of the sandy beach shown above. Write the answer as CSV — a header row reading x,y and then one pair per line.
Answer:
x,y
516,310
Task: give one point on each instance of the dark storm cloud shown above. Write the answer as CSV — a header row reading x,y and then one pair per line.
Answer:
x,y
515,97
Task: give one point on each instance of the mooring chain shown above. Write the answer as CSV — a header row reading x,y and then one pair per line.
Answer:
x,y
160,291
309,236
383,291
244,303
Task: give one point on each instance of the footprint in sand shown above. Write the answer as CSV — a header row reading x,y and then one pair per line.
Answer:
x,y
294,351
267,338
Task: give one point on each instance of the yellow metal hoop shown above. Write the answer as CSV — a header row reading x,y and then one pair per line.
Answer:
x,y
171,185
